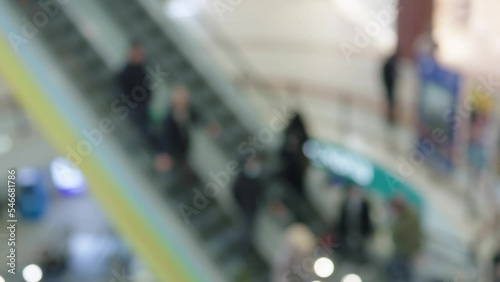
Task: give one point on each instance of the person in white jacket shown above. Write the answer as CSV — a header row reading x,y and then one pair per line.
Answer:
x,y
294,259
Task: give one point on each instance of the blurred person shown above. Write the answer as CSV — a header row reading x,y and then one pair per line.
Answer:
x,y
479,195
354,227
296,251
174,142
55,258
407,237
247,191
389,75
53,264
131,78
294,159
496,266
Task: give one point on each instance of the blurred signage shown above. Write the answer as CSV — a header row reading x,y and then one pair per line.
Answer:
x,y
361,170
340,161
437,102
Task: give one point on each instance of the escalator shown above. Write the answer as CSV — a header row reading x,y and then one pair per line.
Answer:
x,y
173,57
165,43
219,233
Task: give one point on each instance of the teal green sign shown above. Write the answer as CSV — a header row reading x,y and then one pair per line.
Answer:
x,y
346,163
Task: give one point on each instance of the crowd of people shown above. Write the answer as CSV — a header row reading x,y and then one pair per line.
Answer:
x,y
354,226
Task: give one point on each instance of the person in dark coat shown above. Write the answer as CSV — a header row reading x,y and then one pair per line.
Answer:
x,y
496,267
181,116
247,192
174,142
133,78
294,159
297,128
389,73
354,225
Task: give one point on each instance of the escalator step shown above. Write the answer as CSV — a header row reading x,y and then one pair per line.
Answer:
x,y
172,60
209,218
98,79
182,198
157,47
146,27
209,231
224,242
59,24
237,269
69,40
232,135
203,99
127,11
161,44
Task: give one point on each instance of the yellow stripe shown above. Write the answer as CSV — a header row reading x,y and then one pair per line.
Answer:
x,y
142,237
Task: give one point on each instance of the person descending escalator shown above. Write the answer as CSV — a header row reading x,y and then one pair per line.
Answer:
x,y
247,191
174,142
496,267
354,226
132,82
294,159
407,237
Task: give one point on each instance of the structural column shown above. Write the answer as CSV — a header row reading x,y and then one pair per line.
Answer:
x,y
415,16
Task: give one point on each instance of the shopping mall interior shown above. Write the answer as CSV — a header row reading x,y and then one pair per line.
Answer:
x,y
242,141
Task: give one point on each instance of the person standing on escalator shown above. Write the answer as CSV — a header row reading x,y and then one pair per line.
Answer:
x,y
174,142
294,159
355,226
407,236
133,78
247,191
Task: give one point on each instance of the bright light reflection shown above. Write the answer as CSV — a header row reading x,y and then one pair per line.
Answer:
x,y
324,267
32,273
352,278
66,177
